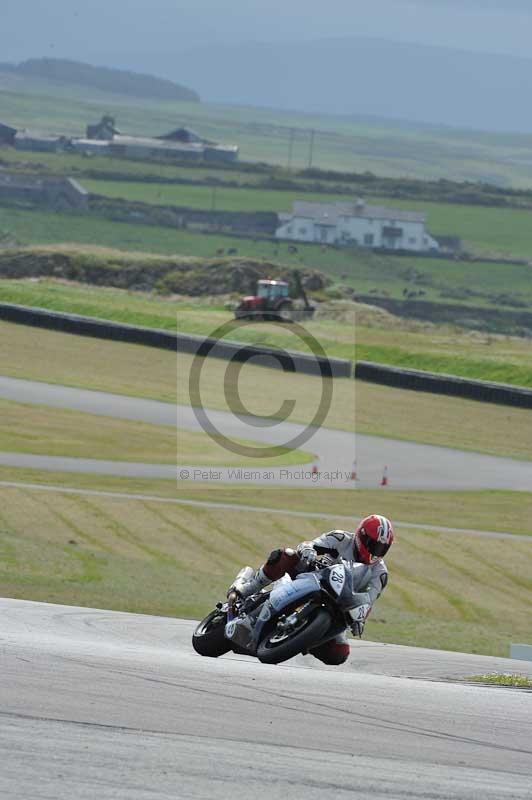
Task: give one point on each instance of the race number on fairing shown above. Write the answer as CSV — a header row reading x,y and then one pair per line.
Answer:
x,y
337,578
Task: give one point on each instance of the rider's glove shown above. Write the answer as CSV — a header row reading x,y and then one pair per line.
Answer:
x,y
307,555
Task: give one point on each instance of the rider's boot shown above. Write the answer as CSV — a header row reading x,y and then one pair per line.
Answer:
x,y
246,584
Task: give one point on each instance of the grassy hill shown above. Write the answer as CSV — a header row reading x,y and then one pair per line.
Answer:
x,y
119,81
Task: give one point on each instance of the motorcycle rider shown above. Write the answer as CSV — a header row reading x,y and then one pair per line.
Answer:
x,y
367,545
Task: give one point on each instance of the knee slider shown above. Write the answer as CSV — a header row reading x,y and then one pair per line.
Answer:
x,y
341,654
332,653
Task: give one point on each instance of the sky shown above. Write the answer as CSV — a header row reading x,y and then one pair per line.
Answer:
x,y
136,34
206,45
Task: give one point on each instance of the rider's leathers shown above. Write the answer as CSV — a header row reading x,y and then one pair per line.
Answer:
x,y
337,545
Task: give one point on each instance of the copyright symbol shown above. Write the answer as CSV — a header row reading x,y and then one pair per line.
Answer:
x,y
237,360
184,474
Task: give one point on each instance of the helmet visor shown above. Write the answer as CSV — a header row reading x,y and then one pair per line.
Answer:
x,y
377,549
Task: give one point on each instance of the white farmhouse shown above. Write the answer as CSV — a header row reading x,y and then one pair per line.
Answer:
x,y
356,223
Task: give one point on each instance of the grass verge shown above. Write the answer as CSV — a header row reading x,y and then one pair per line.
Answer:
x,y
481,510
55,357
521,681
44,430
149,557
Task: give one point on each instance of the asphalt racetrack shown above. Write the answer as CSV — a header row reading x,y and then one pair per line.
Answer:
x,y
97,704
412,466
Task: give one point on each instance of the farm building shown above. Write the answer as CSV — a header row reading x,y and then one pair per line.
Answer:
x,y
103,138
96,147
104,130
143,147
7,134
356,223
40,142
212,151
184,135
56,193
221,152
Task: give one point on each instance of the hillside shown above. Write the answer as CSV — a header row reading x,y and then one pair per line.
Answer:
x,y
108,80
363,76
146,271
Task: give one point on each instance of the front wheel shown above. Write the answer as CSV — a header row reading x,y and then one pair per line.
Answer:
x,y
209,638
280,645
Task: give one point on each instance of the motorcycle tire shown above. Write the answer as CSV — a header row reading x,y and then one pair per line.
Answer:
x,y
271,651
209,639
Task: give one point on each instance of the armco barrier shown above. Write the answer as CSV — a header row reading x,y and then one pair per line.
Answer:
x,y
290,361
444,384
287,360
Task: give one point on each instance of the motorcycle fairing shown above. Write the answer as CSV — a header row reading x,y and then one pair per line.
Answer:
x,y
288,591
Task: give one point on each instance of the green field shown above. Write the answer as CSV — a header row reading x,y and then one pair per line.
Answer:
x,y
473,284
342,143
361,334
87,167
492,232
220,198
258,175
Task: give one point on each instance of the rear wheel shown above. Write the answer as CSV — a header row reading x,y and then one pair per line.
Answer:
x,y
241,312
280,643
286,313
209,639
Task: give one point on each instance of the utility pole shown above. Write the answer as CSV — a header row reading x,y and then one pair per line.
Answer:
x,y
291,147
311,152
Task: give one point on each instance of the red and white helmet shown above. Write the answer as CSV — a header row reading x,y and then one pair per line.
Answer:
x,y
373,538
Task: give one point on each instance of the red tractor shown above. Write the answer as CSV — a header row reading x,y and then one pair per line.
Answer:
x,y
273,301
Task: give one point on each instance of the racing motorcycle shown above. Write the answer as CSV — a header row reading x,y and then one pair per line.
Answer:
x,y
293,617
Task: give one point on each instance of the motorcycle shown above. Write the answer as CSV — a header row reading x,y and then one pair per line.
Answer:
x,y
294,616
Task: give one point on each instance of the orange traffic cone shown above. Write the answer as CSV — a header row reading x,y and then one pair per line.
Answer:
x,y
354,471
384,481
